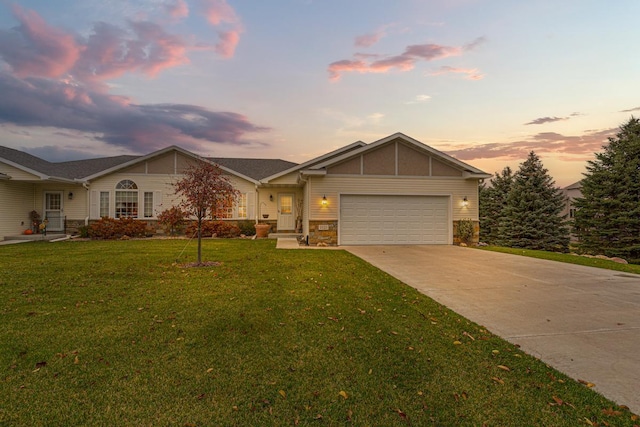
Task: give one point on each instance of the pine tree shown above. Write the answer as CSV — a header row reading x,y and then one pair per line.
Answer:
x,y
532,217
493,200
607,217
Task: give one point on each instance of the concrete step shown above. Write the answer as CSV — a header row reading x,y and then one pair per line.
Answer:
x,y
285,235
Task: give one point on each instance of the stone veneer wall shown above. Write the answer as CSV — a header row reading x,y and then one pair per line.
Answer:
x,y
72,226
476,233
328,237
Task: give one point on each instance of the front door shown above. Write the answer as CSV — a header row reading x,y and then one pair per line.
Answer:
x,y
286,219
53,212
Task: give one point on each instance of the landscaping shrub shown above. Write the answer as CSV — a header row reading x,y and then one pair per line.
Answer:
x,y
111,228
247,227
172,220
214,228
465,231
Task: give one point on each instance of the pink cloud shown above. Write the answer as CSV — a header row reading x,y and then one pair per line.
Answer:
x,y
111,51
346,65
403,62
470,73
580,146
35,48
229,40
177,9
218,11
368,40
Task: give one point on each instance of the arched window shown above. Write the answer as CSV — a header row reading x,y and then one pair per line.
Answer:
x,y
126,199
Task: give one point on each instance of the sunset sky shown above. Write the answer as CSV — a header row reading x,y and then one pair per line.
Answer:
x,y
486,81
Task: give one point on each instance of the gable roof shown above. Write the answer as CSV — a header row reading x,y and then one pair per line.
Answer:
x,y
84,170
254,168
324,157
469,171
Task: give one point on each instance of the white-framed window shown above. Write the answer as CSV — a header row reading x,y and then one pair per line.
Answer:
x,y
104,204
148,204
126,199
242,205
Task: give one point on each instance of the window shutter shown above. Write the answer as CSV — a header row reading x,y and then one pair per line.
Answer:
x,y
94,209
157,203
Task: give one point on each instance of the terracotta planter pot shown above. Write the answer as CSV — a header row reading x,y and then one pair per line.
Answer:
x,y
262,230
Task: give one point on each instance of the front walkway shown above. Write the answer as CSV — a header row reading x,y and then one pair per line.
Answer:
x,y
583,321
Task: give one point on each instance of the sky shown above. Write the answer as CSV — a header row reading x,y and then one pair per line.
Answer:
x,y
486,81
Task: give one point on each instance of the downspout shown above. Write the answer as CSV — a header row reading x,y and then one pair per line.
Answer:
x,y
88,198
256,212
306,206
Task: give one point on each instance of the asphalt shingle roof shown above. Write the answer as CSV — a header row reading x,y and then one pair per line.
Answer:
x,y
78,169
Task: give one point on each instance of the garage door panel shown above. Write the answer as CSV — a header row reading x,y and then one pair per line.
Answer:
x,y
374,219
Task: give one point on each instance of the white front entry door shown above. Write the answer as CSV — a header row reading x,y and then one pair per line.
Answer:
x,y
286,219
53,210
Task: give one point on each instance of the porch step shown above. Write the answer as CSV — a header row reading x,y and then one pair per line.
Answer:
x,y
285,235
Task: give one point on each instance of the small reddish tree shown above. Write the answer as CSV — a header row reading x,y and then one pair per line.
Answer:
x,y
204,191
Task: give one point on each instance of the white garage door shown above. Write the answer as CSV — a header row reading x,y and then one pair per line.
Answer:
x,y
393,220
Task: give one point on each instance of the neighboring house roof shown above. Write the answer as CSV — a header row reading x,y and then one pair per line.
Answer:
x,y
574,186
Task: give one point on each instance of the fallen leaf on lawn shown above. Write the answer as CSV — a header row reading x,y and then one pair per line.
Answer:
x,y
209,370
495,351
588,421
343,394
283,393
504,368
370,371
41,364
401,414
235,408
457,343
498,380
634,418
587,383
466,334
318,417
394,333
558,401
349,415
611,412
76,360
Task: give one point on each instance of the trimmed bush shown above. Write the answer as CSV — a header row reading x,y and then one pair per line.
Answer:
x,y
247,227
111,228
172,220
220,229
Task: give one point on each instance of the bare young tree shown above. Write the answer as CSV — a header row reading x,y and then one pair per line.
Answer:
x,y
205,192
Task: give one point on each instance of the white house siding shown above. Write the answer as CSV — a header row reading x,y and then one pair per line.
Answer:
x,y
17,174
75,209
332,186
17,200
162,185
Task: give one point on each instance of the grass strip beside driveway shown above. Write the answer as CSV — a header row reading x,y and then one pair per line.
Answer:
x,y
118,333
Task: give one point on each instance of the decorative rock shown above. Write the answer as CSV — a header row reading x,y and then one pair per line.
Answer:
x,y
619,260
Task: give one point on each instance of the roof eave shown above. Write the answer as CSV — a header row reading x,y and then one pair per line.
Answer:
x,y
347,148
474,175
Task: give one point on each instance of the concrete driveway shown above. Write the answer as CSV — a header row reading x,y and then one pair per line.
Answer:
x,y
582,321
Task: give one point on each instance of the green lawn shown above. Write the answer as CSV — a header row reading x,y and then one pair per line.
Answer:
x,y
568,258
118,333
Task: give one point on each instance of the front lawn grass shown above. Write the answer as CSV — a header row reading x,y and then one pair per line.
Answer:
x,y
568,258
118,333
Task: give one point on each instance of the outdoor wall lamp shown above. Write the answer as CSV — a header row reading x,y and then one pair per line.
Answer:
x,y
465,202
324,200
70,195
271,197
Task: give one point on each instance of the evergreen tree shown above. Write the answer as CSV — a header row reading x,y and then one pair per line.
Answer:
x,y
607,218
532,217
493,200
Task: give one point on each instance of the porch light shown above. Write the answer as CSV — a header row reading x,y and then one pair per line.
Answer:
x,y
324,200
465,202
70,195
271,197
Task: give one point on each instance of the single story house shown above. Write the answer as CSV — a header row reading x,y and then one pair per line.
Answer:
x,y
396,190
